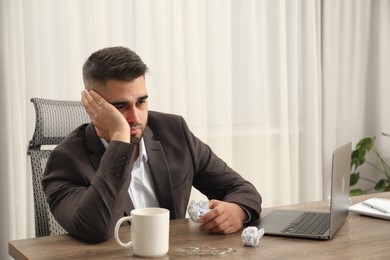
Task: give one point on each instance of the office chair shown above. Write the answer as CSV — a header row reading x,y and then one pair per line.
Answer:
x,y
54,119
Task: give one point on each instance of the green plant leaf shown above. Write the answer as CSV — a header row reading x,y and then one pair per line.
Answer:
x,y
358,158
365,143
362,147
380,185
356,192
354,178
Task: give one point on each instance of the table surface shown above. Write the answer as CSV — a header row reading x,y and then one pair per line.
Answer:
x,y
360,237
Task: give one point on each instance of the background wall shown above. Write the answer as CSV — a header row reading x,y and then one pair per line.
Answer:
x,y
273,86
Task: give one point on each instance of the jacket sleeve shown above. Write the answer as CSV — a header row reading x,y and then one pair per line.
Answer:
x,y
85,202
215,179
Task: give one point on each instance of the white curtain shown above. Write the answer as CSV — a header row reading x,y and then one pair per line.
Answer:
x,y
356,78
252,78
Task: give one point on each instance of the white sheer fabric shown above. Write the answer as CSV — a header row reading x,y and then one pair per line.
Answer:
x,y
356,58
246,75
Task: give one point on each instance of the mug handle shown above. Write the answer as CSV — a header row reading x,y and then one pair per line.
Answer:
x,y
116,232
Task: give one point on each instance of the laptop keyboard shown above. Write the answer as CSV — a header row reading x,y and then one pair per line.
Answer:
x,y
314,223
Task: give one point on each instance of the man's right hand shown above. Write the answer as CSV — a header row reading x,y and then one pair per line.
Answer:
x,y
109,122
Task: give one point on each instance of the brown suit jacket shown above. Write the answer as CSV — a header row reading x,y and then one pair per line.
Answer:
x,y
87,186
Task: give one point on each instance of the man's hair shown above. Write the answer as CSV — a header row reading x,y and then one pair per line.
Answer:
x,y
117,63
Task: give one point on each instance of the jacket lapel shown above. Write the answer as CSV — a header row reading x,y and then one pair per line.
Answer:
x,y
159,172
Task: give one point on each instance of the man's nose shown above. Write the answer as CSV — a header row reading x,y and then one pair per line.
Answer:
x,y
132,115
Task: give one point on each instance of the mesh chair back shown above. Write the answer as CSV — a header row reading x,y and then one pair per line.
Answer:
x,y
54,120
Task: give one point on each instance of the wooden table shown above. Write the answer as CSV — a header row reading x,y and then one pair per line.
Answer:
x,y
360,237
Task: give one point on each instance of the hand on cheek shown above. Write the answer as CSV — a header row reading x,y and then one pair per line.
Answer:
x,y
109,122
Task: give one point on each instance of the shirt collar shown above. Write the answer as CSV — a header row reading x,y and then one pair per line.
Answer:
x,y
142,150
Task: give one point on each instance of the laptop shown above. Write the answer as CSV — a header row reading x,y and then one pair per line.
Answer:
x,y
317,225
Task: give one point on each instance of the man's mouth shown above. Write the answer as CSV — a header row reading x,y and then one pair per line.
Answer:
x,y
135,130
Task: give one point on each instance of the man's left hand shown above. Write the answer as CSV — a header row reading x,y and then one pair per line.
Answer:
x,y
224,217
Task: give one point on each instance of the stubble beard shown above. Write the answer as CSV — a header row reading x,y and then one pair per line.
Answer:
x,y
134,139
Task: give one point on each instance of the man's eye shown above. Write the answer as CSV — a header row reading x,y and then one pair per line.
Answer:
x,y
120,107
141,101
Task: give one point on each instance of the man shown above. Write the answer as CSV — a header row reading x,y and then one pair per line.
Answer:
x,y
129,157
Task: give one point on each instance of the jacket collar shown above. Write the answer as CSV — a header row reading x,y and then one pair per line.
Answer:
x,y
159,170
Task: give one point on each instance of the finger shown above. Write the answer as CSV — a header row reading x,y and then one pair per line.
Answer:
x,y
212,221
221,227
91,99
230,229
215,226
213,213
84,97
208,216
93,109
97,99
87,101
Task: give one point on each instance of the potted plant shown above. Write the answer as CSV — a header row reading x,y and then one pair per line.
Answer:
x,y
358,158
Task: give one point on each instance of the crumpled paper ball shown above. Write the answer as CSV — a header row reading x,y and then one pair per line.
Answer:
x,y
251,236
197,209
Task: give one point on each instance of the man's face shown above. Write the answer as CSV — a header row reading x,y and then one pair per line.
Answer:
x,y
131,99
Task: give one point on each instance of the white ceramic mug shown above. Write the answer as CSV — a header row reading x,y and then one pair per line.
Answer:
x,y
149,231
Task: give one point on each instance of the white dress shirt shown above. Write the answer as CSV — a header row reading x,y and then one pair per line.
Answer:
x,y
141,188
